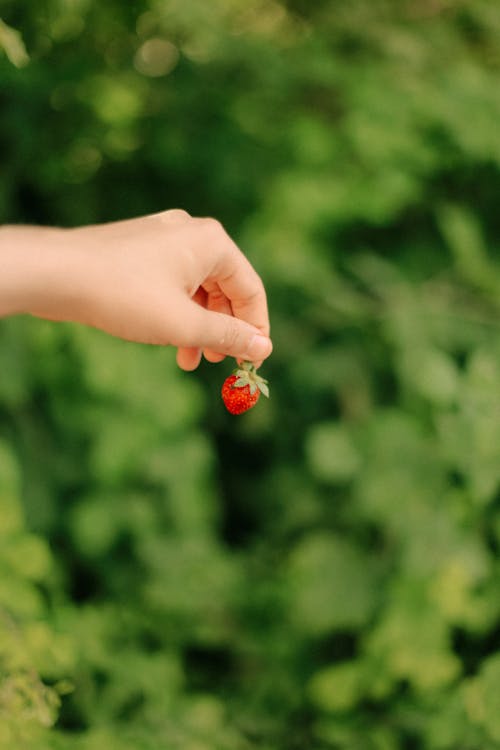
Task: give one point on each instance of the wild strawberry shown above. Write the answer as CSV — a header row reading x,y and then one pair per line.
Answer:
x,y
242,390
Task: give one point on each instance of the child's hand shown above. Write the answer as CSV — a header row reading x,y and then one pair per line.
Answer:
x,y
161,279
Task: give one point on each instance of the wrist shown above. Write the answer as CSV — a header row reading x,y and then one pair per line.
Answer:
x,y
40,272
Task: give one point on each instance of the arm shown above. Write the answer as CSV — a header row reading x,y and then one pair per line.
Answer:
x,y
30,266
161,279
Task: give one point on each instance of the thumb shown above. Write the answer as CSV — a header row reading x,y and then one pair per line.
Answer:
x,y
224,334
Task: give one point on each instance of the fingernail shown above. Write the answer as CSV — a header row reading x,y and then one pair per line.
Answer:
x,y
259,348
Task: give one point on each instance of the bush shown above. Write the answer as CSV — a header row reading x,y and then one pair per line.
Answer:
x,y
322,572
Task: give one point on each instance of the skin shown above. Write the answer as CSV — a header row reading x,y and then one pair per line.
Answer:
x,y
165,279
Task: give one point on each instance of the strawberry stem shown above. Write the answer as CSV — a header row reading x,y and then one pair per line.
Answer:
x,y
246,375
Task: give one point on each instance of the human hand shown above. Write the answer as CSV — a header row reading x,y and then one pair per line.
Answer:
x,y
162,279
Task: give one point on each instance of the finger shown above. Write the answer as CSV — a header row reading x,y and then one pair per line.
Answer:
x,y
248,304
222,333
234,275
216,302
188,357
213,357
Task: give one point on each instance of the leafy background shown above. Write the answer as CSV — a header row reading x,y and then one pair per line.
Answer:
x,y
322,573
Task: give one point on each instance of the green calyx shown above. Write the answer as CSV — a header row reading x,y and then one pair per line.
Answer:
x,y
247,375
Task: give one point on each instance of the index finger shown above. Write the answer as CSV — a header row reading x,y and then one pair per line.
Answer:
x,y
237,279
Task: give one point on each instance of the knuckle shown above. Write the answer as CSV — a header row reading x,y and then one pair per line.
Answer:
x,y
217,297
177,213
212,226
172,214
231,334
181,213
260,290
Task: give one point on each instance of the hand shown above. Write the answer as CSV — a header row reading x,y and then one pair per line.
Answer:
x,y
162,279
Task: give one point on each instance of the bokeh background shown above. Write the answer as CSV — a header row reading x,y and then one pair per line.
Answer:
x,y
322,573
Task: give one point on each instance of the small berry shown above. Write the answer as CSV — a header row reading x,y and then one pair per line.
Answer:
x,y
241,391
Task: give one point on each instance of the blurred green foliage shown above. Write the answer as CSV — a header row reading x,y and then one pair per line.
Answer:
x,y
322,573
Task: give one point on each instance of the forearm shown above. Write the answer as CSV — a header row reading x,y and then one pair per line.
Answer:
x,y
38,271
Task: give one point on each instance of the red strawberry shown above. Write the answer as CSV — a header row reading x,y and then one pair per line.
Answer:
x,y
242,390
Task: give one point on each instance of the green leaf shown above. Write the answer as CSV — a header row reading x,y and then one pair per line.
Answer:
x,y
12,44
263,388
481,698
333,584
331,453
337,688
